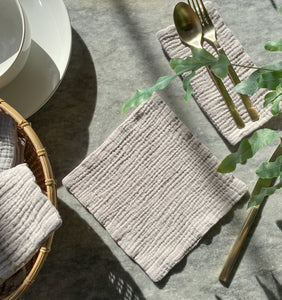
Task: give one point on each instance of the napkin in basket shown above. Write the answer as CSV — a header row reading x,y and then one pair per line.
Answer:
x,y
154,187
11,147
205,92
27,218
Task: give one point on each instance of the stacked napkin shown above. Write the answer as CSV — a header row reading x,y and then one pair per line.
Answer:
x,y
27,217
154,187
206,94
8,142
11,146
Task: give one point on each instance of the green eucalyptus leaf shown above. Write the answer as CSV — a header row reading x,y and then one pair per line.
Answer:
x,y
270,169
142,95
261,138
274,98
248,86
274,45
247,149
280,10
269,98
229,163
275,106
265,191
220,67
199,58
180,65
270,80
187,86
163,82
202,56
175,62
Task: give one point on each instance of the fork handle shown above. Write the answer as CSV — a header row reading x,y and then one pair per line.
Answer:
x,y
235,79
229,102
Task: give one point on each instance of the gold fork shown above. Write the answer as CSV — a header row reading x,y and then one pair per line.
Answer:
x,y
209,34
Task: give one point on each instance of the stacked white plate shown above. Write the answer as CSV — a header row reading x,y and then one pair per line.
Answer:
x,y
48,59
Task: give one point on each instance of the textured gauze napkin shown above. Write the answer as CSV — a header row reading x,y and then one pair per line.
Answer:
x,y
205,92
27,218
11,154
154,187
11,147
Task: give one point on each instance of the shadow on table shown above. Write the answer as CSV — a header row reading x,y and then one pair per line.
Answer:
x,y
62,124
81,266
273,3
269,293
206,240
279,224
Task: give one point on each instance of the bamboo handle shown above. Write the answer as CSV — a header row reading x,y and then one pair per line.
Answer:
x,y
235,251
245,98
239,242
229,102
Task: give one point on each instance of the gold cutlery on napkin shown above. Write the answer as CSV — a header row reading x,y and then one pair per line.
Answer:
x,y
209,35
190,32
206,94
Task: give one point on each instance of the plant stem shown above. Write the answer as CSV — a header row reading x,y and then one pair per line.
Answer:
x,y
251,67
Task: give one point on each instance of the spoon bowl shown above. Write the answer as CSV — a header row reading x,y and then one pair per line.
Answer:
x,y
188,25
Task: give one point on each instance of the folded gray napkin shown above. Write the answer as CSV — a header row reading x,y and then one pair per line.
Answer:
x,y
154,187
27,218
10,146
206,94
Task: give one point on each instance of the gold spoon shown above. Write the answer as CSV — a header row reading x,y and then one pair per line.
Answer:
x,y
189,29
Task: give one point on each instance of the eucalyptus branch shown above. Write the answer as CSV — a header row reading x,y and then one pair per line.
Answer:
x,y
267,77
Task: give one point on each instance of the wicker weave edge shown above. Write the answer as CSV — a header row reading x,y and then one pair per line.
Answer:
x,y
50,189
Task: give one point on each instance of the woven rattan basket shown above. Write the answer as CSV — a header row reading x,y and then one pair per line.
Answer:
x,y
36,158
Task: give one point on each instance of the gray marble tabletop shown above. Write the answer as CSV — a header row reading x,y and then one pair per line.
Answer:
x,y
114,52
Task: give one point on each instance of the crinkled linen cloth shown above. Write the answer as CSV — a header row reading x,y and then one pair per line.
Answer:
x,y
206,94
11,154
154,187
27,218
11,148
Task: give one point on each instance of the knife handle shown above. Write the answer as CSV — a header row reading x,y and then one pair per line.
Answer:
x,y
239,242
245,98
229,264
229,102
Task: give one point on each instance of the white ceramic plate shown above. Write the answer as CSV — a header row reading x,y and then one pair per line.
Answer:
x,y
48,58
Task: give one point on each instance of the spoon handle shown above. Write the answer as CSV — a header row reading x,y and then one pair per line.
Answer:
x,y
229,102
235,79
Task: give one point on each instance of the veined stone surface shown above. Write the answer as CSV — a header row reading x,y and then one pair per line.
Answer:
x,y
115,51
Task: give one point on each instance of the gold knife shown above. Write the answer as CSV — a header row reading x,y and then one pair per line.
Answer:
x,y
228,267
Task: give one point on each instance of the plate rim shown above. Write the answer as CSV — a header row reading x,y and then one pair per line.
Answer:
x,y
62,71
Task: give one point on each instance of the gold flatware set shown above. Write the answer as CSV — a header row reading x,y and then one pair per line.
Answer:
x,y
194,26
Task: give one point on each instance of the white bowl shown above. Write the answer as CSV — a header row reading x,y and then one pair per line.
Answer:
x,y
15,40
51,39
